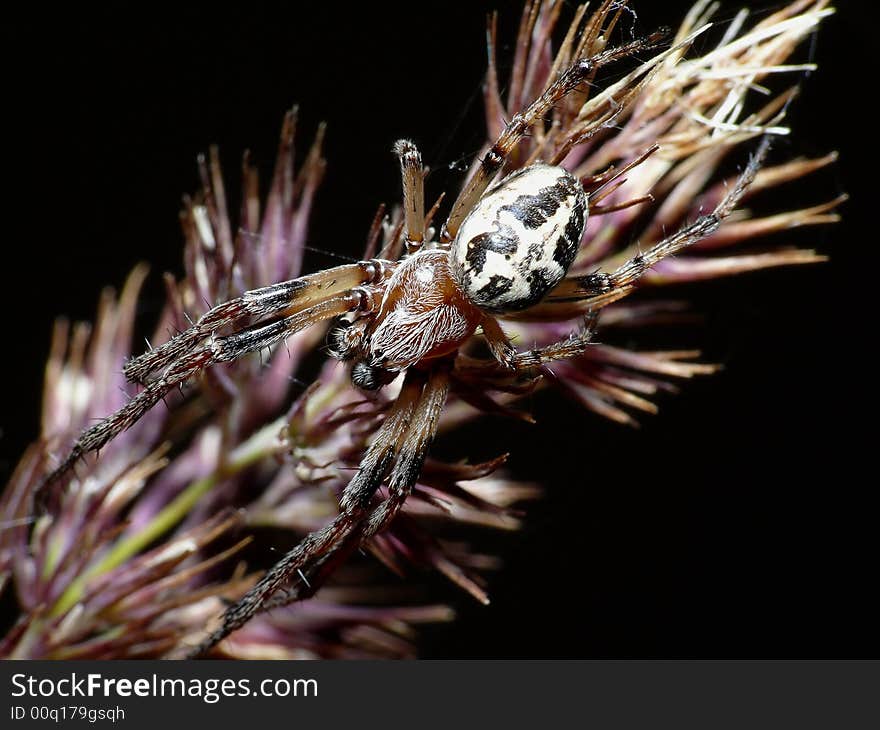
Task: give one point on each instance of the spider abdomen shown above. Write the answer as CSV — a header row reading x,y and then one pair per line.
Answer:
x,y
520,240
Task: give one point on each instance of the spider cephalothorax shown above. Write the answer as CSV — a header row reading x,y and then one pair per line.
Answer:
x,y
421,314
504,251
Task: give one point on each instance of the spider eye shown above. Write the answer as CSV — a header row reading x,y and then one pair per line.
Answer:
x,y
370,377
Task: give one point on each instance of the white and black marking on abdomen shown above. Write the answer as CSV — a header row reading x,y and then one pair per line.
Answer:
x,y
520,240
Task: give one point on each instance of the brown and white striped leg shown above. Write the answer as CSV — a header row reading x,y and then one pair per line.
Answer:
x,y
397,452
214,350
413,175
412,450
503,351
271,301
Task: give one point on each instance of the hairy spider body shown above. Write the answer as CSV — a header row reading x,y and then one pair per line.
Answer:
x,y
517,243
423,314
503,251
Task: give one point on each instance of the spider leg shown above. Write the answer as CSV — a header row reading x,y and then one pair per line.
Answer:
x,y
314,547
412,451
596,290
413,175
516,128
503,350
309,582
399,449
216,350
278,299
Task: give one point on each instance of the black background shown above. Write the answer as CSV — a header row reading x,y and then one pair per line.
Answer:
x,y
738,522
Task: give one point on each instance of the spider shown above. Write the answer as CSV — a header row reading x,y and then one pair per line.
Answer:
x,y
503,252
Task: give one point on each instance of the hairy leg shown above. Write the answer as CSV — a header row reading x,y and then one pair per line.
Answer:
x,y
215,350
397,451
505,353
281,299
413,176
413,450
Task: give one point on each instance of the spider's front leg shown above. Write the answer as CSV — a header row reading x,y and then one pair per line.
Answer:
x,y
284,309
276,300
413,177
398,452
215,350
